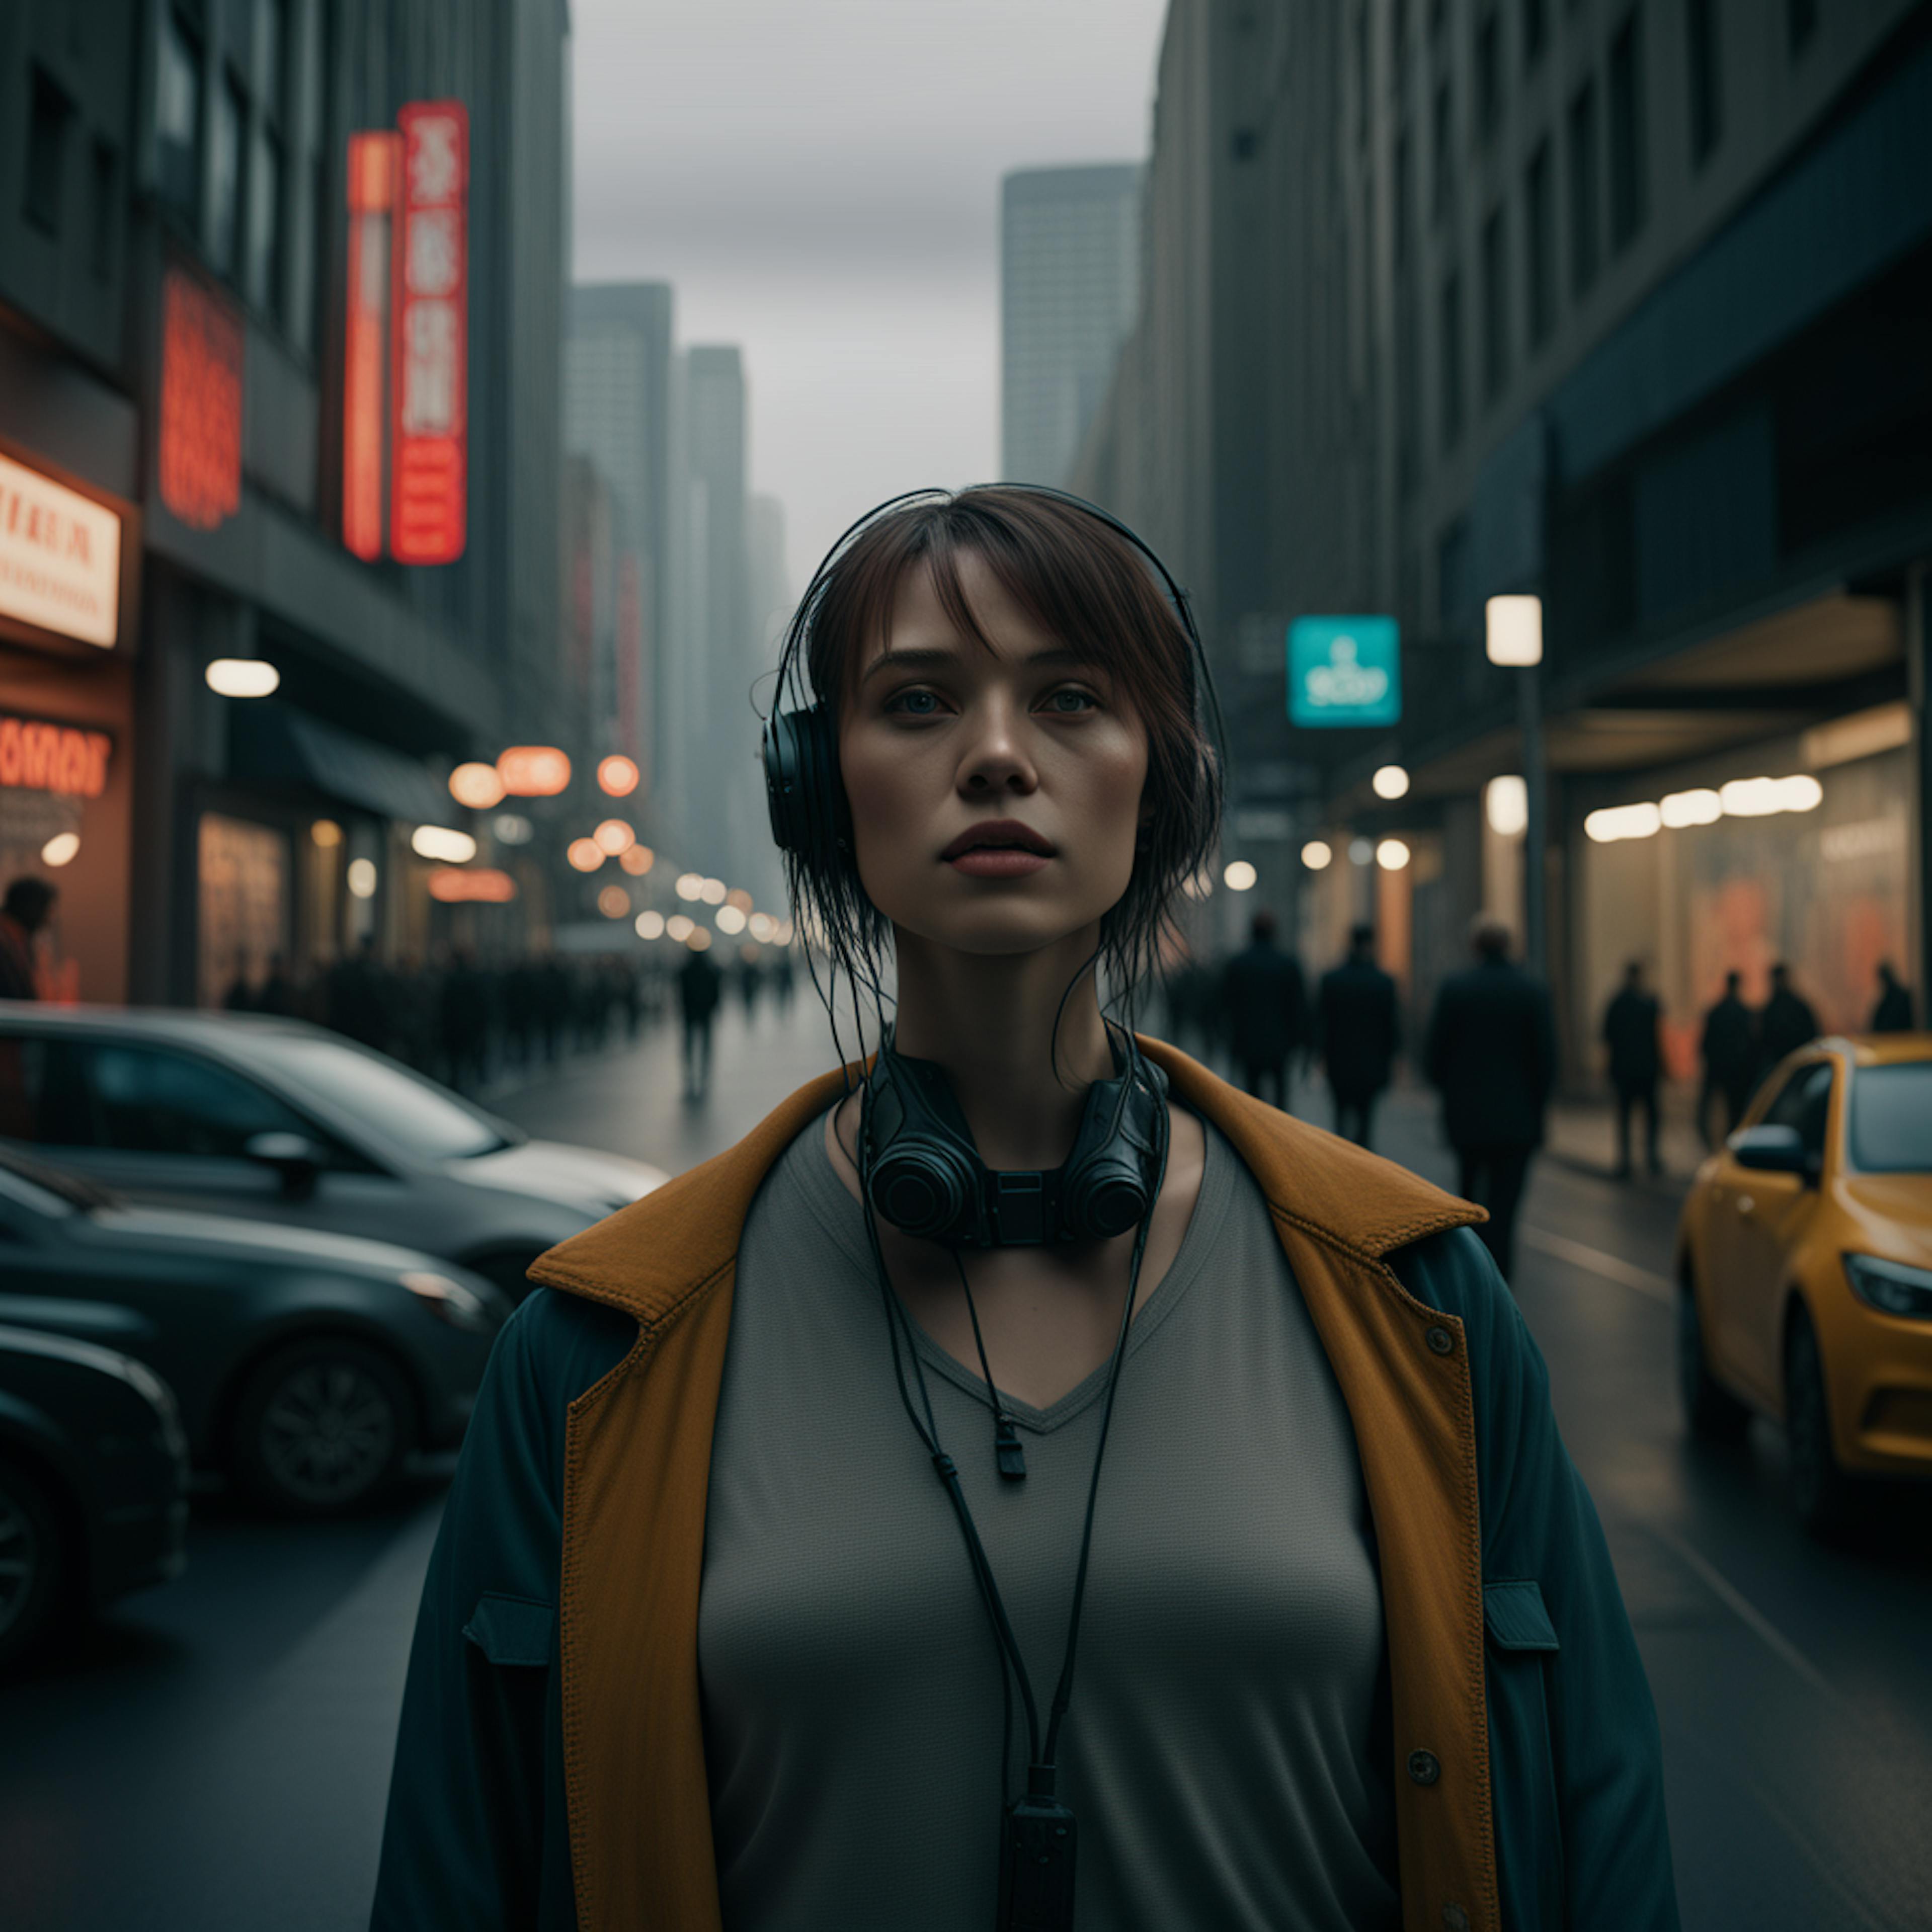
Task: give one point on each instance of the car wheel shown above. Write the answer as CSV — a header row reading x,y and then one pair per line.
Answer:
x,y
1826,1499
1712,1413
34,1560
321,1426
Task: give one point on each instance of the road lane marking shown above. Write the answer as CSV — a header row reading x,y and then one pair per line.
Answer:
x,y
1734,1600
1612,1267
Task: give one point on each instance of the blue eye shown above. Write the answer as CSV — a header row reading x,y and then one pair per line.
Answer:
x,y
1070,702
914,703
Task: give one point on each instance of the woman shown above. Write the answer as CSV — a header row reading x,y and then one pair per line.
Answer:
x,y
776,1520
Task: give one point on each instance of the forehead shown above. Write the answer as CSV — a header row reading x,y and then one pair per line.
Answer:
x,y
972,612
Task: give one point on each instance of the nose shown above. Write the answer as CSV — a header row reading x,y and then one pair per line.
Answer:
x,y
995,758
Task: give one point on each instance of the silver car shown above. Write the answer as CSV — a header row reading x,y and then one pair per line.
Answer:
x,y
284,1121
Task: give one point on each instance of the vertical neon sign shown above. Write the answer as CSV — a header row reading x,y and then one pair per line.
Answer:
x,y
374,163
428,487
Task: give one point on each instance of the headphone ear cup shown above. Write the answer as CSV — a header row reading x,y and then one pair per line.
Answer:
x,y
924,1188
804,795
1108,1184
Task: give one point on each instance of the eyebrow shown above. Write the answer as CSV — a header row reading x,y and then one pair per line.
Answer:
x,y
926,657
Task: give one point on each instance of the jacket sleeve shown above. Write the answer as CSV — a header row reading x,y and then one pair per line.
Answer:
x,y
477,1833
1609,1866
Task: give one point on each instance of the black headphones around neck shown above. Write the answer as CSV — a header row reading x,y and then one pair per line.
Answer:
x,y
922,1172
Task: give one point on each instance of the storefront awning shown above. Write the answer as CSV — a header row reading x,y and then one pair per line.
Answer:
x,y
277,745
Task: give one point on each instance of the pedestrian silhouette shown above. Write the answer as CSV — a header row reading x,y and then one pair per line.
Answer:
x,y
1893,1013
278,990
781,980
1266,1006
1786,1023
1729,1051
463,1016
1491,1053
1357,1031
240,997
1630,1031
699,986
28,905
749,981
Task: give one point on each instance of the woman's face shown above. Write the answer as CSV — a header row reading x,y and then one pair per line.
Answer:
x,y
995,795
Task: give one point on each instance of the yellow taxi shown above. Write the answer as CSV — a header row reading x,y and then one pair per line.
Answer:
x,y
1804,1268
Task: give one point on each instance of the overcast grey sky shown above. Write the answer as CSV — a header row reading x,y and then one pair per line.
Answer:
x,y
820,180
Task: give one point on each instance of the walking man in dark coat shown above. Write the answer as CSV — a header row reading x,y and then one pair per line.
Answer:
x,y
699,986
1786,1023
28,905
1357,1026
1729,1049
1266,1006
1491,1052
1893,1013
1630,1031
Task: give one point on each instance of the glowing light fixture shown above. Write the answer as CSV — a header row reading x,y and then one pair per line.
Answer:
x,y
679,927
1317,854
1392,855
457,885
586,854
737,896
439,842
636,859
241,677
1361,852
1513,631
617,775
762,925
730,920
614,835
1506,806
533,771
1390,782
690,885
650,925
1238,876
712,892
1199,887
325,832
614,902
700,940
512,828
477,786
362,878
1680,808
1623,821
62,849
782,933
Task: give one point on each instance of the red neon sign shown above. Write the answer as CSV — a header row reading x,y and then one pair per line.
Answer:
x,y
201,402
428,489
36,757
375,162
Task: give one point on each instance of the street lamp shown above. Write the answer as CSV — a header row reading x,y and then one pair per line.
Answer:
x,y
1513,635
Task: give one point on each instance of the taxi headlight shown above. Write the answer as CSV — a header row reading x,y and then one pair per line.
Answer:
x,y
1891,1287
460,1306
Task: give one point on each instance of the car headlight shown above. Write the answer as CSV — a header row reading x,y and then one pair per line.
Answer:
x,y
460,1306
1891,1287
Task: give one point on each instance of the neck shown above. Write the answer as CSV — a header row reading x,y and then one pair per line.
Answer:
x,y
989,1022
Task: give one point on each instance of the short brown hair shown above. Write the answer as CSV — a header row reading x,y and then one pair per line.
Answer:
x,y
1083,580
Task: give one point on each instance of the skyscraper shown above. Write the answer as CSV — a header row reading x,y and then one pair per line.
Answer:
x,y
1069,274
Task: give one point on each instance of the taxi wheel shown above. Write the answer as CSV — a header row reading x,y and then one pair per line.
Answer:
x,y
1710,1411
33,1562
321,1427
1826,1499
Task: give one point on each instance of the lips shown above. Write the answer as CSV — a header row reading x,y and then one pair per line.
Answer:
x,y
998,835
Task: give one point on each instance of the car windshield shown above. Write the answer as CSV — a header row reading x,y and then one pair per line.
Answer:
x,y
1891,1118
431,1121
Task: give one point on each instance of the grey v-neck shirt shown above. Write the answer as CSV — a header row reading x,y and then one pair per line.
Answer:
x,y
1217,1755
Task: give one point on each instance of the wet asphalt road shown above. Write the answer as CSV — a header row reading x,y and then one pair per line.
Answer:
x,y
214,1755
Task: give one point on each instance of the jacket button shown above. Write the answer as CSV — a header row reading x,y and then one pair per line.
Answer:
x,y
1454,1918
1423,1767
1440,1340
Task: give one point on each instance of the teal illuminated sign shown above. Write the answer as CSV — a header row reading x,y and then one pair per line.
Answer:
x,y
1344,671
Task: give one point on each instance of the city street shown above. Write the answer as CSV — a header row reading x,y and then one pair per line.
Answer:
x,y
215,1754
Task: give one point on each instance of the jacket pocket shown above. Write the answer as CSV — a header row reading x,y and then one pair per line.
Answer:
x,y
507,1685
1521,1653
511,1630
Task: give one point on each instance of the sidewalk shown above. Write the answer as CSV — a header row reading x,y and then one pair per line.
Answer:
x,y
1581,1133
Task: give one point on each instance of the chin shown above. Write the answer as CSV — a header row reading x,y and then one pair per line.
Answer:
x,y
1002,926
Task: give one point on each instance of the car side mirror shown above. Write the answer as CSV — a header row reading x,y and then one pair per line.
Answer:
x,y
296,1159
1772,1150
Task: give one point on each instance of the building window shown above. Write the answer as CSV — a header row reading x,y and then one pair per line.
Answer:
x,y
1700,21
1452,361
105,174
1442,150
1495,306
226,233
1801,22
1626,133
1488,75
49,114
1535,31
1539,197
264,265
1584,197
178,121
